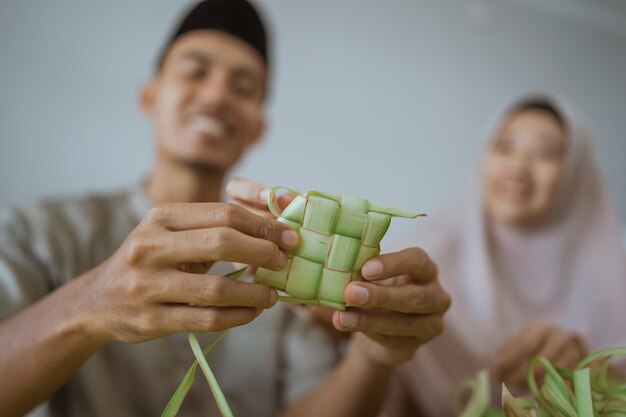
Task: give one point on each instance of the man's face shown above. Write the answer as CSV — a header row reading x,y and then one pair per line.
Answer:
x,y
207,101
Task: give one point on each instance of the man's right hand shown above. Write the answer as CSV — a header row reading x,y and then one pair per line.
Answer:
x,y
156,283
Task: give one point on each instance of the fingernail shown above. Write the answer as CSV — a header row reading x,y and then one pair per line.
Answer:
x,y
264,194
359,294
372,269
348,320
289,238
273,298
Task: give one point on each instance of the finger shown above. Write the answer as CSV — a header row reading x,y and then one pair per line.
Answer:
x,y
211,290
524,343
248,191
393,342
179,217
569,357
195,268
413,261
520,348
422,327
323,316
217,244
555,344
281,201
518,375
581,343
255,194
182,318
388,350
409,298
562,349
259,211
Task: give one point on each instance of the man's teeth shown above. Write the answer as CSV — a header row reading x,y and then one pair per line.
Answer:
x,y
208,125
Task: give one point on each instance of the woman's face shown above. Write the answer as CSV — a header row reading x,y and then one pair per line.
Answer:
x,y
523,166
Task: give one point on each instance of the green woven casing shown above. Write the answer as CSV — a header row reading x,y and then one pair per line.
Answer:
x,y
338,234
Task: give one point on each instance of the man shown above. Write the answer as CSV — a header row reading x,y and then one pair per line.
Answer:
x,y
84,280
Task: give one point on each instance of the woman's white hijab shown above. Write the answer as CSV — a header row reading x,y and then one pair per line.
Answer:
x,y
570,272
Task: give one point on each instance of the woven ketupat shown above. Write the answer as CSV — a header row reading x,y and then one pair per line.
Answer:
x,y
338,234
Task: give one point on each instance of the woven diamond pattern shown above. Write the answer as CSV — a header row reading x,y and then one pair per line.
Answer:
x,y
338,234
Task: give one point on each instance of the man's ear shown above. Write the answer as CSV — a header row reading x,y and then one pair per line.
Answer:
x,y
147,97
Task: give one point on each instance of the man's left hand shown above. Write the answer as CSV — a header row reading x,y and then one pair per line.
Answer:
x,y
399,306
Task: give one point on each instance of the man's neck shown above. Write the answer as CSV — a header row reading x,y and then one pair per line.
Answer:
x,y
173,182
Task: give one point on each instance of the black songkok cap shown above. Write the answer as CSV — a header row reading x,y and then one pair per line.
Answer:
x,y
235,17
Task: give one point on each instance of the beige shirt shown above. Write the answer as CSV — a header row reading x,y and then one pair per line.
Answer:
x,y
260,366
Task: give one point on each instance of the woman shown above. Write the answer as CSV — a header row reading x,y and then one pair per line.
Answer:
x,y
531,257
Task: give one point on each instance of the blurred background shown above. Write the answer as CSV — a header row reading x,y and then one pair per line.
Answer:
x,y
384,99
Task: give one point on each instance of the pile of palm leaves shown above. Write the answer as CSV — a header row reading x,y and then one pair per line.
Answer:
x,y
589,390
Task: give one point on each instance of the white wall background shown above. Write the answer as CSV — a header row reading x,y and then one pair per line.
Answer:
x,y
385,99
